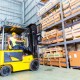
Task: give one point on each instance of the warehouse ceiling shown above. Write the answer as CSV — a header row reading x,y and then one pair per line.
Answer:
x,y
18,0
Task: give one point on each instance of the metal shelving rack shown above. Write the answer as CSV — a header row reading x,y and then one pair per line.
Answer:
x,y
63,28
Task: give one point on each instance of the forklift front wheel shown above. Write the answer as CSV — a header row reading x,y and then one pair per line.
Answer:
x,y
5,71
34,65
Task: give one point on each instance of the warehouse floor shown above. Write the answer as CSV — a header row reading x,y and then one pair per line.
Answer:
x,y
45,73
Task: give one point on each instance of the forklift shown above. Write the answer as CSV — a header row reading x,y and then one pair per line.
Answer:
x,y
14,60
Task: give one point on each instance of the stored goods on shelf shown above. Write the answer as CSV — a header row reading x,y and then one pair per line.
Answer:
x,y
50,36
76,30
73,2
47,6
70,17
60,36
50,19
54,52
68,33
67,12
66,4
60,62
74,57
75,7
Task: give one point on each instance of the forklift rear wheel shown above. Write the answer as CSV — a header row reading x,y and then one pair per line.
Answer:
x,y
34,65
5,71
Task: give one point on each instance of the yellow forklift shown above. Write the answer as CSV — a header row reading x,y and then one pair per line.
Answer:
x,y
15,60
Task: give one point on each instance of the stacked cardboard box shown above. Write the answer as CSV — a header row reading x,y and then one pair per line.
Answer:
x,y
66,8
44,39
57,16
70,7
51,19
47,6
75,6
68,33
44,22
54,52
60,36
52,37
76,31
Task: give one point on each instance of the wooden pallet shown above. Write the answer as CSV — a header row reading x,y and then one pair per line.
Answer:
x,y
62,62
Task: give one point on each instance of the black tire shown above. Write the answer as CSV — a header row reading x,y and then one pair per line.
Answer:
x,y
5,71
34,66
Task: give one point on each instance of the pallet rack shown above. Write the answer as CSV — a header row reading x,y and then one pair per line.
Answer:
x,y
62,21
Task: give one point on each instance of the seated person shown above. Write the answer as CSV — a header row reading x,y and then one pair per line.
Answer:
x,y
12,41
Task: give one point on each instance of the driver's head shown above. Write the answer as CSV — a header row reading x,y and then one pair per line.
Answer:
x,y
14,34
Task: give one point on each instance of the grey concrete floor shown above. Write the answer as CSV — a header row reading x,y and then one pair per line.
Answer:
x,y
45,73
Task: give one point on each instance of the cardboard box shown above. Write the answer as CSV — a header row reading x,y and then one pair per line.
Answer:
x,y
75,8
69,36
76,26
57,15
74,57
67,12
57,19
66,4
60,39
59,33
77,34
73,2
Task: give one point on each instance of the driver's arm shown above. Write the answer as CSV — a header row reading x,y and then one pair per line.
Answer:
x,y
19,41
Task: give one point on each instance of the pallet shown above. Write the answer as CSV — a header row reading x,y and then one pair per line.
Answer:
x,y
62,62
59,62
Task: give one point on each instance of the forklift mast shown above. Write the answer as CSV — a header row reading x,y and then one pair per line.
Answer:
x,y
32,39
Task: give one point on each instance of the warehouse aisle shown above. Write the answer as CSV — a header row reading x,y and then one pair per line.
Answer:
x,y
45,73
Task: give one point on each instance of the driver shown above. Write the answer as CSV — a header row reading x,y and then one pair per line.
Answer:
x,y
12,41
